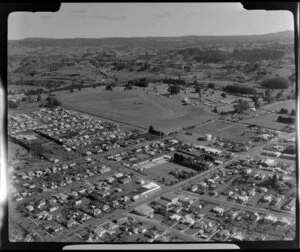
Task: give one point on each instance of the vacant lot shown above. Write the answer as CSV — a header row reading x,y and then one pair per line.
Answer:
x,y
210,128
160,173
289,105
136,107
267,121
236,133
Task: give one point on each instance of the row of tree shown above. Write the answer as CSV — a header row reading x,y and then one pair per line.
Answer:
x,y
189,162
239,90
288,120
286,111
276,83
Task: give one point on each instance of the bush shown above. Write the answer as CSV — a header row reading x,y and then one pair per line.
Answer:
x,y
211,85
174,89
276,83
173,81
241,106
283,111
288,120
52,102
293,112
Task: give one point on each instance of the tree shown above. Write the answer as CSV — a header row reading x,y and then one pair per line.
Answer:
x,y
276,83
278,96
293,112
288,120
211,85
241,106
30,98
239,90
174,89
283,111
215,110
197,88
257,104
52,102
223,95
108,87
151,129
39,98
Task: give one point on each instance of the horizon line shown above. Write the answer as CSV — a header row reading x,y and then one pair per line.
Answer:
x,y
228,35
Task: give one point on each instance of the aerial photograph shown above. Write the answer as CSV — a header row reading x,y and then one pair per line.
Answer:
x,y
151,123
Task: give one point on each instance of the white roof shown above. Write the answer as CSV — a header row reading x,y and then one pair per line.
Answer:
x,y
151,185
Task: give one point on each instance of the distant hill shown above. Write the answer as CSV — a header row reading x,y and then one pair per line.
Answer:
x,y
149,41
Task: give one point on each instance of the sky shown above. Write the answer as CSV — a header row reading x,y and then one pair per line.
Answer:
x,y
99,20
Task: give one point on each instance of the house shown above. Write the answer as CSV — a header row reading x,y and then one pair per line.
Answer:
x,y
41,203
283,222
122,220
218,210
56,227
188,220
270,219
52,209
144,210
125,180
267,198
110,179
118,175
30,208
165,204
175,217
223,234
70,223
105,208
42,215
170,197
100,231
151,234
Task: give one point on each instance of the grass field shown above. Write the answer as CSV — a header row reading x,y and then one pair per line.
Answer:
x,y
136,107
236,133
268,121
211,127
290,104
161,171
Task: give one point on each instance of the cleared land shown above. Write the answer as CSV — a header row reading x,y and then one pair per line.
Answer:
x,y
211,127
160,173
136,107
267,121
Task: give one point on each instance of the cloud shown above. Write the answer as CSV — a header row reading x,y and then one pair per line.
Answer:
x,y
105,17
161,15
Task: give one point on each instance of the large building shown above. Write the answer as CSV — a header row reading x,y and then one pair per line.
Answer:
x,y
144,210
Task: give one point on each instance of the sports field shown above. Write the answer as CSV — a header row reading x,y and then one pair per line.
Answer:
x,y
137,107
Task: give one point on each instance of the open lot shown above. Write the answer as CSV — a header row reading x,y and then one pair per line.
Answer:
x,y
211,127
224,129
267,121
161,172
136,107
